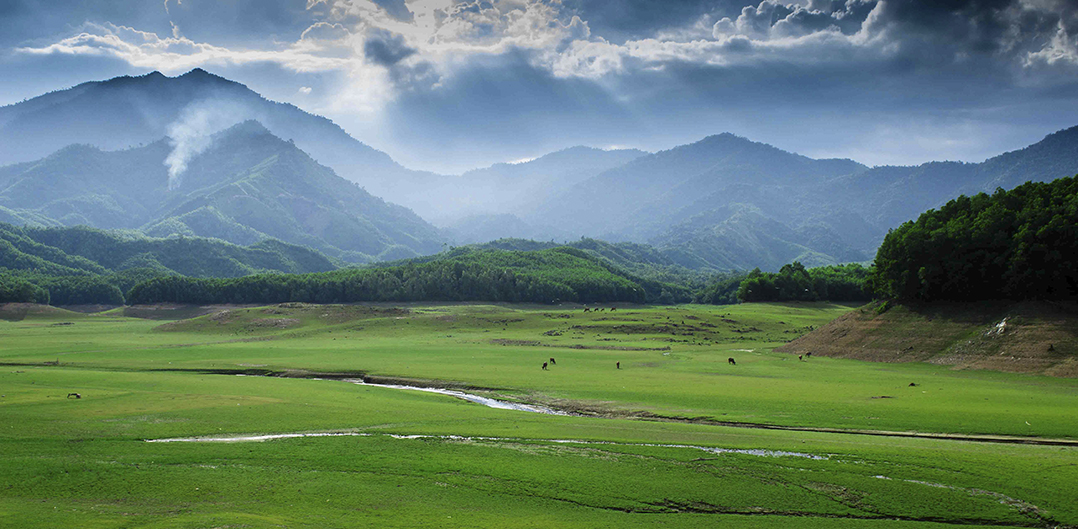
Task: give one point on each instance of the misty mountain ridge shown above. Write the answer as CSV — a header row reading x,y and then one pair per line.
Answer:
x,y
727,202
719,203
247,185
127,111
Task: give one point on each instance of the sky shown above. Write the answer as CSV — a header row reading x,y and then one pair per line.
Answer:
x,y
447,85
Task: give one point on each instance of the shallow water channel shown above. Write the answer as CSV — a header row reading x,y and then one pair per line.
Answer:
x,y
485,401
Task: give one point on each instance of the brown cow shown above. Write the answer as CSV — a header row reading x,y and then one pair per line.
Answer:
x,y
552,362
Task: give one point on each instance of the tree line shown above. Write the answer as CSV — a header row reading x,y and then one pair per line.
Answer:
x,y
793,282
547,276
1017,244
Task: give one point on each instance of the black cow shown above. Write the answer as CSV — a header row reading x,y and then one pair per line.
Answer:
x,y
731,361
552,362
76,395
544,365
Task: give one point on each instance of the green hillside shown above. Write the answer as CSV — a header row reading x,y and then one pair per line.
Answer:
x,y
542,276
1017,244
82,265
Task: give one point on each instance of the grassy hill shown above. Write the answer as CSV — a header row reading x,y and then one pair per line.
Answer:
x,y
1020,337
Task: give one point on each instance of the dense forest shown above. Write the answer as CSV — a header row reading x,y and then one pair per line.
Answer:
x,y
1017,244
81,265
543,276
793,282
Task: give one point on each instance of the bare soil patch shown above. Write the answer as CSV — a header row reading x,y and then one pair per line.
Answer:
x,y
1026,337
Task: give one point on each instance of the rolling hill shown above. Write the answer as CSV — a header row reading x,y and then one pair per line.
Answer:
x,y
88,251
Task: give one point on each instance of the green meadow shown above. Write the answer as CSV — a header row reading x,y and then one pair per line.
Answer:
x,y
678,436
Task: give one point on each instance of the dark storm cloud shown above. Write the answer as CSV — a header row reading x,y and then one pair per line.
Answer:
x,y
973,26
386,48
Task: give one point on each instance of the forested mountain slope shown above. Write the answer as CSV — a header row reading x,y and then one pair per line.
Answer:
x,y
88,266
246,186
88,251
126,112
728,203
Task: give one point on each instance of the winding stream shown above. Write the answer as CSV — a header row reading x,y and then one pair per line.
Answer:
x,y
485,401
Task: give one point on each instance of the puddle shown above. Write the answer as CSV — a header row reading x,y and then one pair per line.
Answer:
x,y
485,401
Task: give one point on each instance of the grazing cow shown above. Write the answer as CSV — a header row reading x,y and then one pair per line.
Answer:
x,y
587,309
76,395
808,354
731,361
612,309
619,365
913,384
552,362
544,365
801,358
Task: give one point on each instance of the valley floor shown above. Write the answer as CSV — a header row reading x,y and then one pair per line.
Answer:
x,y
652,439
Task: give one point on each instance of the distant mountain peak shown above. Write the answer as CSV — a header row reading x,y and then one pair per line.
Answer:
x,y
197,72
249,127
126,111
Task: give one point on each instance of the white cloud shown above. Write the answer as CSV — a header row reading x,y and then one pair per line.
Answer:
x,y
382,52
174,54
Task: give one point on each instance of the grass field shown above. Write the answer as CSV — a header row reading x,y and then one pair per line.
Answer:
x,y
648,448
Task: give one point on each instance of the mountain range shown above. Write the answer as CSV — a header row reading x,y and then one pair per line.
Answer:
x,y
200,155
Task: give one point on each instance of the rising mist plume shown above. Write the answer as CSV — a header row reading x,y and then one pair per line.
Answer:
x,y
192,133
